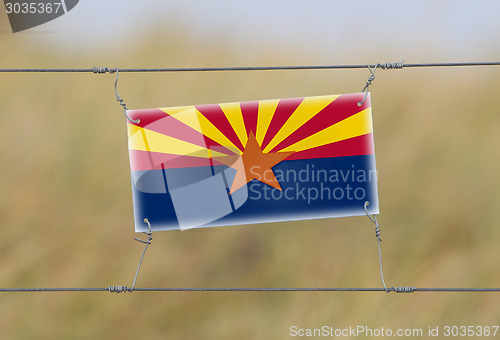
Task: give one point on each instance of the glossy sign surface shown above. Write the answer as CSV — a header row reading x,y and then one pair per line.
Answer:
x,y
252,162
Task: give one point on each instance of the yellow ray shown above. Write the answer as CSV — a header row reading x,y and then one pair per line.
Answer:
x,y
266,111
356,125
309,107
148,140
190,116
235,118
176,109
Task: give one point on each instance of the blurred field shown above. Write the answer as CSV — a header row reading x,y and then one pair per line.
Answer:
x,y
66,207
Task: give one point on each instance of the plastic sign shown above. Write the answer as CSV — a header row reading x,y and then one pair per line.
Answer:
x,y
252,162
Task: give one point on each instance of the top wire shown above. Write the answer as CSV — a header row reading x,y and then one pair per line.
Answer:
x,y
251,68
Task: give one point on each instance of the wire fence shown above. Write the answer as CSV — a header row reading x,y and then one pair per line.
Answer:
x,y
371,67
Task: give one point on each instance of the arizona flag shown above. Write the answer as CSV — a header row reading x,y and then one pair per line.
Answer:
x,y
252,162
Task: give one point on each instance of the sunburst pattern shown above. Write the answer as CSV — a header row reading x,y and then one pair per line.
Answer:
x,y
311,127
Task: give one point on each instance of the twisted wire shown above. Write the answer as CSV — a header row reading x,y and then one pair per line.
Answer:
x,y
118,99
392,66
377,234
147,242
368,83
117,289
102,70
404,289
379,239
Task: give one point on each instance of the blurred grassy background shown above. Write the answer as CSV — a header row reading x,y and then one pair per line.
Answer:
x,y
66,207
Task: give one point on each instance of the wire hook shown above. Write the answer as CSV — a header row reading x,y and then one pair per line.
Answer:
x,y
147,242
368,82
377,234
121,289
118,99
374,220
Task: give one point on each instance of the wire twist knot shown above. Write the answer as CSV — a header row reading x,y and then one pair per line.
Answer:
x,y
385,66
403,289
392,66
370,79
374,220
117,289
147,233
368,83
147,243
103,70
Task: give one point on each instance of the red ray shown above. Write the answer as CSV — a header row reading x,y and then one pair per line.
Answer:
x,y
250,111
216,116
161,122
341,108
283,111
146,117
361,145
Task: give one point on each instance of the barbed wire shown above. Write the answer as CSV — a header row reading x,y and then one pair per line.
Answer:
x,y
398,65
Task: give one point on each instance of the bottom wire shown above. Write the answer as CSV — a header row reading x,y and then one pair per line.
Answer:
x,y
173,289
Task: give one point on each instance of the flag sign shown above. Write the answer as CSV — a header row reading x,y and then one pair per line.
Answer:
x,y
252,162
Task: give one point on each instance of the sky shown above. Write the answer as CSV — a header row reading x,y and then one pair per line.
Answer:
x,y
451,30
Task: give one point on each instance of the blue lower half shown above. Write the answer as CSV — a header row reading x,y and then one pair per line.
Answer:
x,y
199,197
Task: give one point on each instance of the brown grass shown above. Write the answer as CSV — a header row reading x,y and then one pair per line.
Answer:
x,y
66,209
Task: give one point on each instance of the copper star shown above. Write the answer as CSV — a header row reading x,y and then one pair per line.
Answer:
x,y
254,164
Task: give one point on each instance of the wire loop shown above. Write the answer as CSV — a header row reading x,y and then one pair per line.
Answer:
x,y
368,83
374,220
